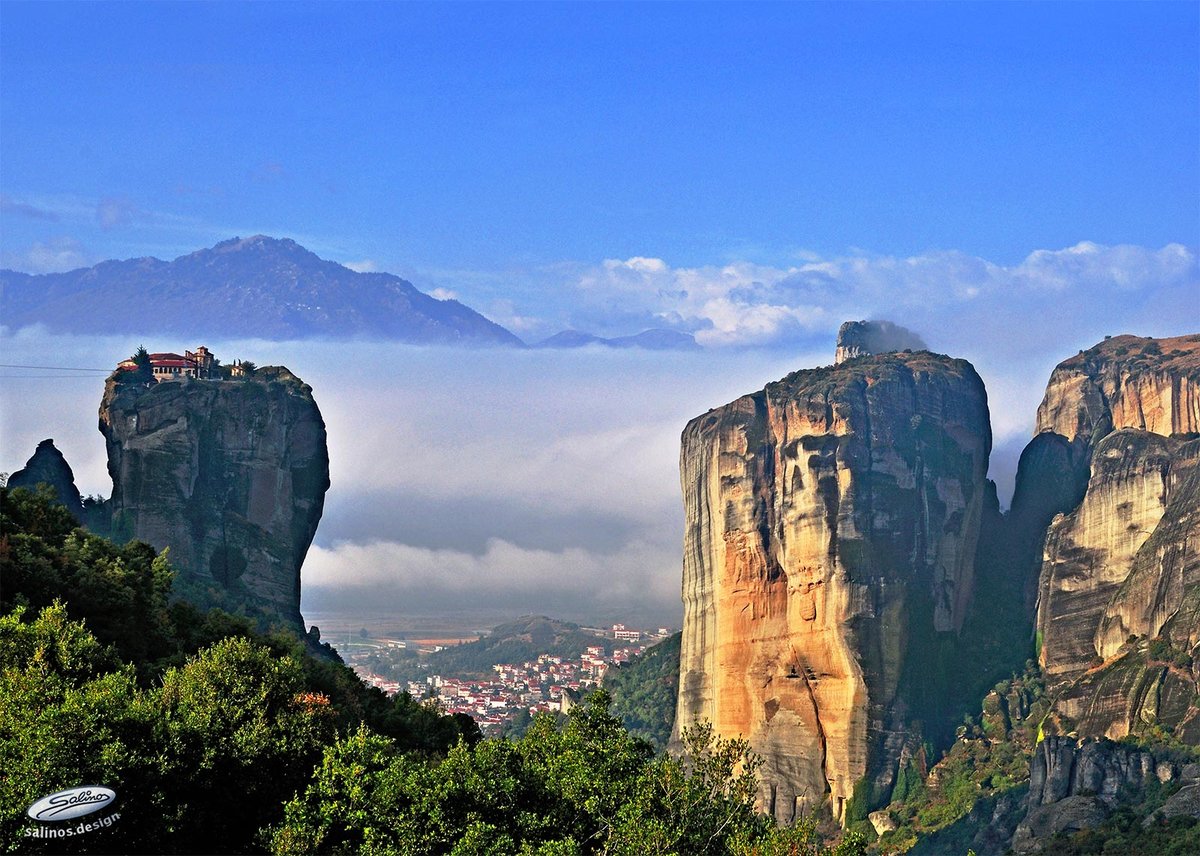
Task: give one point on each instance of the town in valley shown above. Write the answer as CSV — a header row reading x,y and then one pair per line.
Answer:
x,y
506,692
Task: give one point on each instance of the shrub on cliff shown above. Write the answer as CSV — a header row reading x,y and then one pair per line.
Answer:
x,y
142,371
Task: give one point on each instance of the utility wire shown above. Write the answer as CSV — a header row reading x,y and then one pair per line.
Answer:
x,y
52,368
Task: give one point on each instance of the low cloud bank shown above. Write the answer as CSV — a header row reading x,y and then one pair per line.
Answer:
x,y
639,577
547,481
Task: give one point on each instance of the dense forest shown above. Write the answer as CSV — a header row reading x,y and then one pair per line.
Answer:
x,y
220,738
644,691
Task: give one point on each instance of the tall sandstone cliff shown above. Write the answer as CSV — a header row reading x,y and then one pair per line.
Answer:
x,y
831,530
229,474
1118,598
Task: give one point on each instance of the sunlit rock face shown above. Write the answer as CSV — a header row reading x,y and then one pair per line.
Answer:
x,y
831,525
1118,609
229,474
1125,382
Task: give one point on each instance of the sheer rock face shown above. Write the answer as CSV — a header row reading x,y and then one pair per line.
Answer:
x,y
1125,382
831,520
1121,566
48,466
230,475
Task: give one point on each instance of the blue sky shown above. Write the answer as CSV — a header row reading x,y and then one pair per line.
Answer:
x,y
490,138
1012,181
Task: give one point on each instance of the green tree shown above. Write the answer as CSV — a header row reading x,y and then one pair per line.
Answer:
x,y
645,690
237,724
142,371
123,592
71,715
585,786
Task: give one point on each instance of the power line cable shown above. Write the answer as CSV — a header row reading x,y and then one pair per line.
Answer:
x,y
52,368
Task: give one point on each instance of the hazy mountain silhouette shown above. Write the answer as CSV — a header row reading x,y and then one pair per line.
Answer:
x,y
245,287
653,340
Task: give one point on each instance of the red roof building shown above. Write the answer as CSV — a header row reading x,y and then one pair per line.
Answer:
x,y
169,366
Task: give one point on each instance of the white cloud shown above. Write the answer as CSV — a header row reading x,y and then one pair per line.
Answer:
x,y
742,303
9,205
444,294
504,312
365,266
114,211
636,573
52,256
637,263
1090,265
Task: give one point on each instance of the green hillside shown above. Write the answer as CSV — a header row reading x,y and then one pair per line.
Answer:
x,y
516,642
644,691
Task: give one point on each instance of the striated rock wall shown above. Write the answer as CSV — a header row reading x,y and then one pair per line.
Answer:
x,y
1118,605
229,474
831,526
1125,382
1090,552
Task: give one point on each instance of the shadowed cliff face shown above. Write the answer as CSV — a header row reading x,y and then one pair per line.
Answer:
x,y
48,466
831,526
1118,609
230,475
1076,785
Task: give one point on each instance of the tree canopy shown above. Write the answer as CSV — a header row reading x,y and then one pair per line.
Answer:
x,y
220,739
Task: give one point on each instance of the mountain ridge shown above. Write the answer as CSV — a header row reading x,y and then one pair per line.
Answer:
x,y
654,339
260,286
268,288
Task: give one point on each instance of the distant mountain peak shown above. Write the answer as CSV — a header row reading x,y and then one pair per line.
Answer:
x,y
654,339
261,245
239,243
261,286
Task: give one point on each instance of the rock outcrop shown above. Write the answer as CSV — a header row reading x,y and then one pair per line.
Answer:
x,y
831,527
1125,382
49,467
229,474
862,338
1076,785
1118,606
